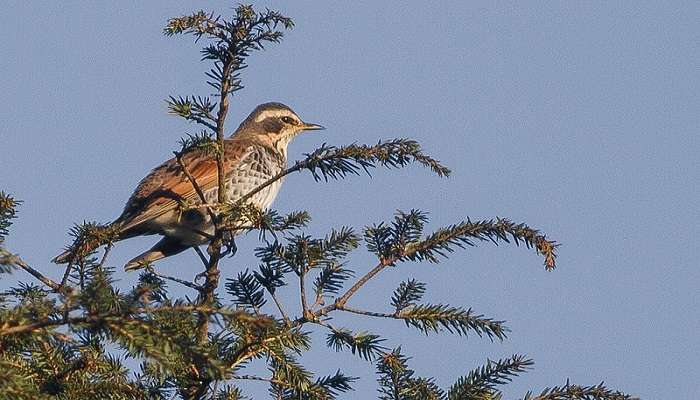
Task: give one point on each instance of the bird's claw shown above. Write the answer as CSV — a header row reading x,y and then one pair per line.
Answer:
x,y
230,248
201,275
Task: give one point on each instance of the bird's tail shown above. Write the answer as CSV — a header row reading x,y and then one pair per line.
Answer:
x,y
88,238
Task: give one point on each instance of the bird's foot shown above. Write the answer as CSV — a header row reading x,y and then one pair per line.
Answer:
x,y
230,247
201,275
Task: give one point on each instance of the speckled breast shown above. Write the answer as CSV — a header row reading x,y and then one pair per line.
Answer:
x,y
255,168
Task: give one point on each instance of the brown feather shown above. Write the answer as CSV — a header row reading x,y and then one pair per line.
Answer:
x,y
166,186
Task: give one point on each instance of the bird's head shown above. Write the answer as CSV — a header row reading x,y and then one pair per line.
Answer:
x,y
274,123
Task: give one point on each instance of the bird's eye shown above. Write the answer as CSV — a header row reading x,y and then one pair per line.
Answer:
x,y
289,120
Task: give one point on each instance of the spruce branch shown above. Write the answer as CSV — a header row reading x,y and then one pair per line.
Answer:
x,y
274,222
287,369
330,280
364,344
66,274
303,253
141,338
270,337
247,291
182,282
197,23
463,234
249,217
326,388
401,241
407,294
10,327
329,386
335,247
329,162
397,381
151,287
435,317
197,109
481,383
202,141
271,278
342,300
335,384
305,310
87,237
423,389
576,392
107,250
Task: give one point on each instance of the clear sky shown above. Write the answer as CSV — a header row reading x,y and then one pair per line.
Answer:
x,y
579,118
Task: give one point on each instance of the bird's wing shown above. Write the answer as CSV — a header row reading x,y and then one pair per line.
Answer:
x,y
167,186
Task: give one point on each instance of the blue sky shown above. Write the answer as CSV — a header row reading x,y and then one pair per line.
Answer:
x,y
579,118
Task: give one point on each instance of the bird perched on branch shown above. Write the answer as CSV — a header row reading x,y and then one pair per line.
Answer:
x,y
256,152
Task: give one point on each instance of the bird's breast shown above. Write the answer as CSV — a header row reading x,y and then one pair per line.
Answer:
x,y
254,170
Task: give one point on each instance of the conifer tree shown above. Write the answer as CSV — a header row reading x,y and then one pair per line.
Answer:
x,y
67,339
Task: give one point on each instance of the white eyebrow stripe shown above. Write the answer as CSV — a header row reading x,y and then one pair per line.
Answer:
x,y
275,114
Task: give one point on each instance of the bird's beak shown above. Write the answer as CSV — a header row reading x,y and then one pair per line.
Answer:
x,y
312,127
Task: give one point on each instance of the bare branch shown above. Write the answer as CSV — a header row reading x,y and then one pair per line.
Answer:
x,y
277,302
340,302
66,274
13,259
174,279
108,248
302,290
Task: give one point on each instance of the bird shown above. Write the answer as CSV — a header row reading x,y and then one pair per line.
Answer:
x,y
254,153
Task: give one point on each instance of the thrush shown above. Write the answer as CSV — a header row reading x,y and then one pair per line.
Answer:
x,y
255,152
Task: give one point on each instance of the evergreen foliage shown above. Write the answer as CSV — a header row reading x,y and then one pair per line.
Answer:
x,y
69,339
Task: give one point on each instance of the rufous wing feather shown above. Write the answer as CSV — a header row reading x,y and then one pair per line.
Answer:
x,y
167,185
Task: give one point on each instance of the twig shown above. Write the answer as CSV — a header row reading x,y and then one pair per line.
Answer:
x,y
16,260
297,167
319,301
66,274
279,307
244,353
368,313
174,279
304,305
108,248
339,303
383,263
202,121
